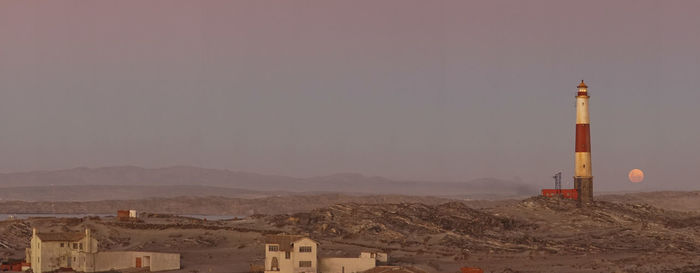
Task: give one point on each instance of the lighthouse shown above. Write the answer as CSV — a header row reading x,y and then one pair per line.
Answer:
x,y
583,175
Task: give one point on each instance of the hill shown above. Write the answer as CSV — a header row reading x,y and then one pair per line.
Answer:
x,y
50,181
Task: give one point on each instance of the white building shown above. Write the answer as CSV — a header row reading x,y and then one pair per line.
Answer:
x,y
299,254
51,251
78,250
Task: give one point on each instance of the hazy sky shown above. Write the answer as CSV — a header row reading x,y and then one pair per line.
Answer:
x,y
429,90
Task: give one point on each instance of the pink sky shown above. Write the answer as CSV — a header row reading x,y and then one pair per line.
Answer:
x,y
430,90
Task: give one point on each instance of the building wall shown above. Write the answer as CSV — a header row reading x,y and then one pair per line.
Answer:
x,y
164,261
36,254
28,254
381,257
104,261
285,265
305,256
364,262
347,265
116,260
291,264
49,256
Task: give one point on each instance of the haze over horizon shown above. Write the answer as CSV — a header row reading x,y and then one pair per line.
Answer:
x,y
410,90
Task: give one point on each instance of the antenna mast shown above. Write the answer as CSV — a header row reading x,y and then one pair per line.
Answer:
x,y
557,182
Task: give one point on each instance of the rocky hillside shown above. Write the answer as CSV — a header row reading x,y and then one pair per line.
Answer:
x,y
209,205
409,224
671,200
553,225
533,235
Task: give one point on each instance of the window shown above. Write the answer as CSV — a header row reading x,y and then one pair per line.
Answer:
x,y
81,246
61,244
304,263
304,249
286,255
75,245
273,248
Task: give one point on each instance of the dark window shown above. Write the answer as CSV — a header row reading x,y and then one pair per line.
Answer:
x,y
304,263
75,245
81,246
61,244
304,249
286,255
273,248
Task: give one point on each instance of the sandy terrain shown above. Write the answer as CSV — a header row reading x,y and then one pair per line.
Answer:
x,y
531,235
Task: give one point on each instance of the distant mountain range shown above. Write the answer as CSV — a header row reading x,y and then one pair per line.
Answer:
x,y
128,182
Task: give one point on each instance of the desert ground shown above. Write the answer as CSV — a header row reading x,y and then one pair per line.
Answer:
x,y
644,232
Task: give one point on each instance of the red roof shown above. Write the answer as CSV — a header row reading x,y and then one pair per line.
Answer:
x,y
582,85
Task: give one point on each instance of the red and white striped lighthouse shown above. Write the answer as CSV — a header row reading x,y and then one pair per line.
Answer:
x,y
583,176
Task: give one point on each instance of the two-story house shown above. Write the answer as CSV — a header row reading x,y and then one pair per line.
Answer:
x,y
299,254
290,254
51,251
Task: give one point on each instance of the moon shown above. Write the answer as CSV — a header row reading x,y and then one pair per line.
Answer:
x,y
636,176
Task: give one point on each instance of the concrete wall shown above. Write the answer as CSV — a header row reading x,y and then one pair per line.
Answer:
x,y
164,261
115,260
104,261
347,265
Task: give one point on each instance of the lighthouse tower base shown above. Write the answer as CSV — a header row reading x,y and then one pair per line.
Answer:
x,y
584,186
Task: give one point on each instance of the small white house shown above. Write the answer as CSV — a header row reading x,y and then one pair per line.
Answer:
x,y
299,254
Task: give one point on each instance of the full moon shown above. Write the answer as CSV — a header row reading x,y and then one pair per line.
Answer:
x,y
636,175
